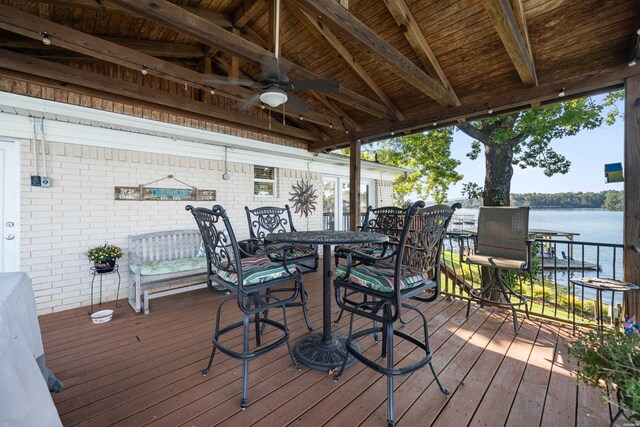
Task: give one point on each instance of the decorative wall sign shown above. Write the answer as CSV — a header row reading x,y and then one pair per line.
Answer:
x,y
304,198
146,192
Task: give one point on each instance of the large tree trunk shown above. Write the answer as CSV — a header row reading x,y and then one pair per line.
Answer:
x,y
499,171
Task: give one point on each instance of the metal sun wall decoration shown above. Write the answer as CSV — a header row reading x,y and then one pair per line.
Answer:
x,y
304,198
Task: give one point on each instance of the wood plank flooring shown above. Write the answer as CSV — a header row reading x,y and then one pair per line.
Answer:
x,y
146,370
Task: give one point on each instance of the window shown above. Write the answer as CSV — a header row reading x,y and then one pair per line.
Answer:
x,y
264,181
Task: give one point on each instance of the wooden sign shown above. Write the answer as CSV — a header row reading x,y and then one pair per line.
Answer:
x,y
163,194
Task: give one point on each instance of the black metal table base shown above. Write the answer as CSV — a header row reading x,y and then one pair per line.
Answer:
x,y
315,353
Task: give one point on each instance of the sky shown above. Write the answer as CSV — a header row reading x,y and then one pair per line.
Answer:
x,y
588,152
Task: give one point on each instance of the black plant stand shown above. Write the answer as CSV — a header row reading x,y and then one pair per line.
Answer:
x,y
96,272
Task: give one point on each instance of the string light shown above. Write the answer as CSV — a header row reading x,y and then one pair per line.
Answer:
x,y
331,125
45,38
435,122
144,70
393,132
212,91
489,109
301,117
561,93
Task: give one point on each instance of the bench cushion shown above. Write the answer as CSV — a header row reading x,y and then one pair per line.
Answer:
x,y
379,277
151,268
257,270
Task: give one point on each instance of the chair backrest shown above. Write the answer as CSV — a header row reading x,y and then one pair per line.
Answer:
x,y
387,220
423,237
503,232
221,246
269,219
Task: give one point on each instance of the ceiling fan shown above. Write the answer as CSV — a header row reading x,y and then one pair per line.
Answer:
x,y
276,88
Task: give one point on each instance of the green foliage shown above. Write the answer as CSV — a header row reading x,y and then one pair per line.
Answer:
x,y
105,252
610,200
429,156
613,357
614,201
530,133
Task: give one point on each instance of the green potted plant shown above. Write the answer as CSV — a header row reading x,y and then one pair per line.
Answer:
x,y
104,257
612,357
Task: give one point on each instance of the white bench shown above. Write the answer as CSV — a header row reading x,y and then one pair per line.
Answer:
x,y
162,259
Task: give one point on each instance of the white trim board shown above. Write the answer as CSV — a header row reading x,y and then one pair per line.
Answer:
x,y
80,125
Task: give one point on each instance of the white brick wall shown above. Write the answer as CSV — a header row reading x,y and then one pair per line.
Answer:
x,y
79,211
384,193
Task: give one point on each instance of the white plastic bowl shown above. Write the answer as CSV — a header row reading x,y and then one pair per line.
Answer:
x,y
101,316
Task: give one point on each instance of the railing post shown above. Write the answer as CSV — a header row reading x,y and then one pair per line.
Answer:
x,y
632,190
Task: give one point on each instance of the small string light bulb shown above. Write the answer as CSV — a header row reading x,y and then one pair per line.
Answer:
x,y
212,91
489,109
435,122
331,125
301,117
393,132
144,70
45,38
561,93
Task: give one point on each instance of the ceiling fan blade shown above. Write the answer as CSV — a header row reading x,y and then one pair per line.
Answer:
x,y
324,85
270,71
214,80
249,103
296,104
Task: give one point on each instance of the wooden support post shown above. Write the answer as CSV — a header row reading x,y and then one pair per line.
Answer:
x,y
206,69
632,190
354,185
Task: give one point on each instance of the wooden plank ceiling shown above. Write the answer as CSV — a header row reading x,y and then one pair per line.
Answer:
x,y
402,65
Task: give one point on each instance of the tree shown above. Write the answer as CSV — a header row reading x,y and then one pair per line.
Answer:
x,y
429,156
524,139
614,201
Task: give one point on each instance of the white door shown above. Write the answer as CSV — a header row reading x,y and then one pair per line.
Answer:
x,y
336,202
9,206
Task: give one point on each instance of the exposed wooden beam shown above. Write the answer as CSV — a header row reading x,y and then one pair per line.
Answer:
x,y
338,17
148,47
178,19
30,26
631,258
355,168
514,100
408,25
344,117
45,69
506,24
324,33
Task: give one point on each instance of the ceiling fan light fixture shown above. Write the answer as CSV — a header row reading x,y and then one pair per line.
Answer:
x,y
273,97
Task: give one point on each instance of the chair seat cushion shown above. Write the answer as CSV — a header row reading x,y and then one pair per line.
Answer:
x,y
380,277
492,261
256,270
374,251
296,252
151,268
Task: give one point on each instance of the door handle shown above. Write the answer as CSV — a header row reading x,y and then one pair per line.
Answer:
x,y
10,237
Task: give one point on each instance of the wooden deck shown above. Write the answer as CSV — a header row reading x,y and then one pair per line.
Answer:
x,y
138,370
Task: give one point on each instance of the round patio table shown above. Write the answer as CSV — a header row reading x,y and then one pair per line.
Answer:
x,y
325,351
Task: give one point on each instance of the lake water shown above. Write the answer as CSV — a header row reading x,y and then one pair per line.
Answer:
x,y
592,225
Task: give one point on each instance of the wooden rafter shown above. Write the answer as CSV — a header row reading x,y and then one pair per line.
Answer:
x,y
350,123
106,85
178,19
504,20
324,33
95,47
147,47
407,23
335,15
514,100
